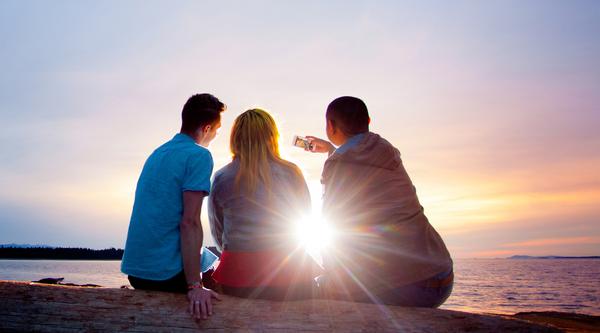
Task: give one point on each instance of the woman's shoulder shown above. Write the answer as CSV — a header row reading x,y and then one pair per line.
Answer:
x,y
288,168
227,172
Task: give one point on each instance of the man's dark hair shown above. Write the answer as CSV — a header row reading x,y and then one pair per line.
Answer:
x,y
348,114
200,110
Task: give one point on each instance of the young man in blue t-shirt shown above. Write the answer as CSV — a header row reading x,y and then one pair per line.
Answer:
x,y
165,235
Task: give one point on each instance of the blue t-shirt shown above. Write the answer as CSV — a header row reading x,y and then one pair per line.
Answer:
x,y
152,250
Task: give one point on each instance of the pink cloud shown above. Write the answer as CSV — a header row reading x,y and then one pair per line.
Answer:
x,y
554,241
493,253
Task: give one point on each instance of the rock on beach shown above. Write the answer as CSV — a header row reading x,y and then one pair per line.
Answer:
x,y
26,306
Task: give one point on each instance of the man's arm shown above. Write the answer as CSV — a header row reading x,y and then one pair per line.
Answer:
x,y
215,217
319,145
191,241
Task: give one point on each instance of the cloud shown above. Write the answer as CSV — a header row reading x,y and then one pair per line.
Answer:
x,y
547,242
31,223
562,246
501,145
494,253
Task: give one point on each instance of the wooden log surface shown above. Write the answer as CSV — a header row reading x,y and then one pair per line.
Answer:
x,y
28,306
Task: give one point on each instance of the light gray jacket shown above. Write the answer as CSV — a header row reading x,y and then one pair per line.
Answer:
x,y
384,239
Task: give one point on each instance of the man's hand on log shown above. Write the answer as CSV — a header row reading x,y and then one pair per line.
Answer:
x,y
201,302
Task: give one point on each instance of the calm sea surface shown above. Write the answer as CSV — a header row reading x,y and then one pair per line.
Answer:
x,y
481,285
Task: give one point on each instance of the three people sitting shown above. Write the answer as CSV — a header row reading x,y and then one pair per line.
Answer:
x,y
385,250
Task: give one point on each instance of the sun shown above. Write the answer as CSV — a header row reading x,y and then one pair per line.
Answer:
x,y
314,235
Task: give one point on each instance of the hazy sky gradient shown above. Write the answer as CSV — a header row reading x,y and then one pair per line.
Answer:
x,y
494,105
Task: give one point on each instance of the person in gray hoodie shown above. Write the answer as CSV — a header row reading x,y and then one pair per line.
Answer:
x,y
385,250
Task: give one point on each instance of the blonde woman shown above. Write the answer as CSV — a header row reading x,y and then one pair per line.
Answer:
x,y
254,204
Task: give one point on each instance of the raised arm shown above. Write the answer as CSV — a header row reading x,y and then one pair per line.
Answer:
x,y
191,241
319,145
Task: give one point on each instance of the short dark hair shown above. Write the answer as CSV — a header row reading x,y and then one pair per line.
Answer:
x,y
200,110
348,114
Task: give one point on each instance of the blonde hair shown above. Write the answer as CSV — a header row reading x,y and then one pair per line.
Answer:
x,y
255,142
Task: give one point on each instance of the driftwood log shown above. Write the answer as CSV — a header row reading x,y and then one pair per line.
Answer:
x,y
28,306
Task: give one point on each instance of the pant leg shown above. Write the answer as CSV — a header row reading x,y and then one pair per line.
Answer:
x,y
176,284
418,294
413,295
289,293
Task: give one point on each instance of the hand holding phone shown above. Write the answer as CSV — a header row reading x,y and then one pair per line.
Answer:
x,y
301,142
319,145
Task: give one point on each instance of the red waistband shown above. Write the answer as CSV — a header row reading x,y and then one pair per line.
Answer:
x,y
265,268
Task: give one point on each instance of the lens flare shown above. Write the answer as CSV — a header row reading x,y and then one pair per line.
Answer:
x,y
313,234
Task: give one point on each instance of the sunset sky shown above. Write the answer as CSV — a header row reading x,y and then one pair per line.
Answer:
x,y
494,105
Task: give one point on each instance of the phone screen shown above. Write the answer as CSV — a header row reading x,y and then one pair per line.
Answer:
x,y
301,142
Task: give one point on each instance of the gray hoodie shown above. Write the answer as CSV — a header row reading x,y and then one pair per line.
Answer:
x,y
383,239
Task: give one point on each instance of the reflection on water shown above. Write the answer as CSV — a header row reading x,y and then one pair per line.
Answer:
x,y
509,286
104,273
481,285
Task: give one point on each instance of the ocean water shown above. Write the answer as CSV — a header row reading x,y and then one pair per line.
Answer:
x,y
481,285
105,273
510,286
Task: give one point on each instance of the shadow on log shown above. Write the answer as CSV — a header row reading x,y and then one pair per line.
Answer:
x,y
53,308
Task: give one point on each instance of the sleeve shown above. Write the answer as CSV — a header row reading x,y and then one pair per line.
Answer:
x,y
331,199
215,217
198,170
304,193
298,197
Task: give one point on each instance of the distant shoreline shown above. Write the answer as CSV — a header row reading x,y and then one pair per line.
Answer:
x,y
519,257
64,253
59,253
76,259
43,252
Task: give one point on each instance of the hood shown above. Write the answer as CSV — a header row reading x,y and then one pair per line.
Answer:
x,y
372,150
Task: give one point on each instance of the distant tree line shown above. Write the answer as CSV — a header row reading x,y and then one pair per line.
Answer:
x,y
72,253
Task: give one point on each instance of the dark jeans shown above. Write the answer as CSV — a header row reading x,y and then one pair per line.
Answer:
x,y
296,292
176,284
427,294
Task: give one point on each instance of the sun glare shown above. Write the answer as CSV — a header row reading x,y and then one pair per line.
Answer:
x,y
314,234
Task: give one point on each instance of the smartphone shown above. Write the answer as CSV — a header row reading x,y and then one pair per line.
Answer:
x,y
301,142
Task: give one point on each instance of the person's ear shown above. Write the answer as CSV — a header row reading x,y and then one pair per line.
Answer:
x,y
201,131
204,129
369,121
331,126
